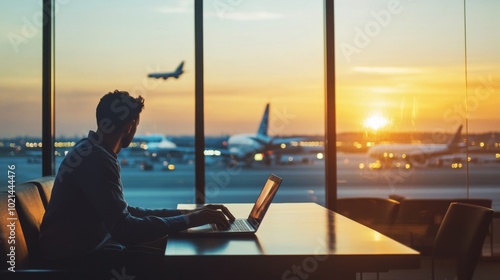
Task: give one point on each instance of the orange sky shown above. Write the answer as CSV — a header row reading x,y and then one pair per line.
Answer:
x,y
408,70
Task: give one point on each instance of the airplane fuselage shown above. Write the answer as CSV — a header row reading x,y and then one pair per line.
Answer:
x,y
245,146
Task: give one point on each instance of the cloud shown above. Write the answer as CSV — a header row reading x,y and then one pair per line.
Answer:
x,y
386,70
252,16
187,7
181,7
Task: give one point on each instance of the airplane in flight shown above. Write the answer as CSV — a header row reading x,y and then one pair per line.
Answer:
x,y
166,75
415,154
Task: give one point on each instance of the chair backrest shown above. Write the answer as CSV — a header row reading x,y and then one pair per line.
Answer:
x,y
461,236
368,210
422,211
45,185
11,236
30,209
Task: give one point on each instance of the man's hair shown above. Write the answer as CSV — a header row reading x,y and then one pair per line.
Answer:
x,y
118,108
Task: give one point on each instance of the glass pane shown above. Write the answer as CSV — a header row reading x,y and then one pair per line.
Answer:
x,y
259,53
117,47
483,99
400,81
21,87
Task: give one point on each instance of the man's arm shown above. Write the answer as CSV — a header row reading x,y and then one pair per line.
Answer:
x,y
101,186
143,212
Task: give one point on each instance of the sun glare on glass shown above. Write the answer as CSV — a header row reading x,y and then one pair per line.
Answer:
x,y
375,122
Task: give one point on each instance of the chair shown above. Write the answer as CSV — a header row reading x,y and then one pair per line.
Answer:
x,y
369,211
11,229
30,208
417,222
44,185
461,236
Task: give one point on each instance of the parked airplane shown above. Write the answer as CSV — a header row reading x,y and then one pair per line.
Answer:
x,y
244,147
249,147
415,154
241,149
166,75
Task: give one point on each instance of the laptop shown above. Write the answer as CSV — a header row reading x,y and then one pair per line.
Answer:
x,y
251,224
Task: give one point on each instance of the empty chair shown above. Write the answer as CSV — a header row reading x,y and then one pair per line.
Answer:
x,y
369,211
417,222
461,236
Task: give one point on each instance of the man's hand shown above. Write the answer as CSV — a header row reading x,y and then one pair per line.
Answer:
x,y
210,214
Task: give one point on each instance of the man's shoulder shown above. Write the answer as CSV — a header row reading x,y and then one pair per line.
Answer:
x,y
86,154
82,161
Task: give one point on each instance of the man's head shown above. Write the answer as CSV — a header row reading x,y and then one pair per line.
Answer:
x,y
118,114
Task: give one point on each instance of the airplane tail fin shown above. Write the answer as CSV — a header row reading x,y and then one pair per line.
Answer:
x,y
264,123
179,68
454,142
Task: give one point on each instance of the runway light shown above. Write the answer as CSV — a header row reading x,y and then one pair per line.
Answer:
x,y
407,166
361,166
258,157
212,153
168,166
375,165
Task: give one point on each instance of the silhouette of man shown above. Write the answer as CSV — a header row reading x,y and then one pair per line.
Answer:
x,y
87,216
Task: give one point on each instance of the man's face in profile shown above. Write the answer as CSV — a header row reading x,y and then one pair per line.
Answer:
x,y
127,138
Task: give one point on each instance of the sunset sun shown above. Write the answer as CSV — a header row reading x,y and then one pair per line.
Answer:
x,y
375,122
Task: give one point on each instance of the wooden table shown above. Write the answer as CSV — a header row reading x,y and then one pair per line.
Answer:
x,y
295,241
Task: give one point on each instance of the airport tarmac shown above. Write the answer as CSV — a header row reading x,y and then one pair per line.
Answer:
x,y
158,188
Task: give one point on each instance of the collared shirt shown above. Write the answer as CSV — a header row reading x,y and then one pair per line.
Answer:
x,y
87,208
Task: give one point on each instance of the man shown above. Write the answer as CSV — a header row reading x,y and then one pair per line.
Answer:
x,y
87,214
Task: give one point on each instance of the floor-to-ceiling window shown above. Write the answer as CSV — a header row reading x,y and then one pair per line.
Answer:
x,y
20,88
483,99
409,75
103,46
405,111
264,97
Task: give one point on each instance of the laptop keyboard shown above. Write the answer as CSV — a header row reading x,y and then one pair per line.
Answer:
x,y
237,225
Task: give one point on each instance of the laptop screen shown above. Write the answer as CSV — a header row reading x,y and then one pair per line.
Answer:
x,y
264,200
